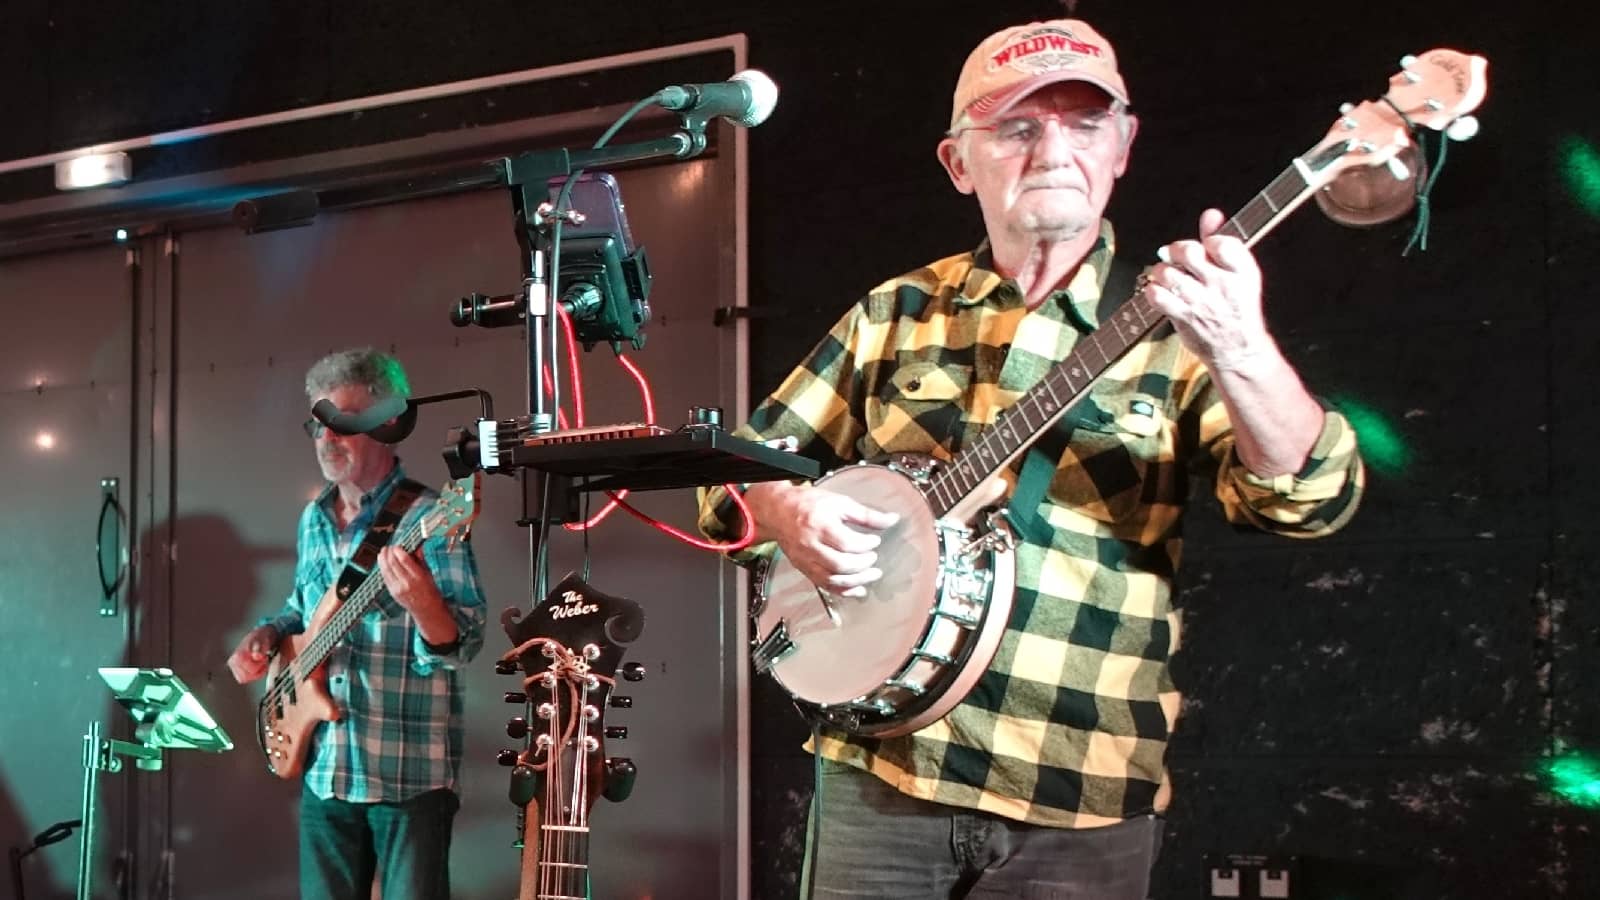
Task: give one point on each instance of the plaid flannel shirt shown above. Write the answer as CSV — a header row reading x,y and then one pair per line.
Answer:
x,y
1068,726
402,733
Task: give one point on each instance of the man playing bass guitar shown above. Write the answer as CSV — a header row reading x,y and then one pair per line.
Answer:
x,y
379,790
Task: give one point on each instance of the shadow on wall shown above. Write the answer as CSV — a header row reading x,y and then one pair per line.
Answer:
x,y
215,589
20,839
220,590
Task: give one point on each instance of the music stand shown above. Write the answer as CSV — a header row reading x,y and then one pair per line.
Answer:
x,y
166,715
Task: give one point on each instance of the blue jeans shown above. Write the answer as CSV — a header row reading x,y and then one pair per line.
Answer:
x,y
875,842
342,846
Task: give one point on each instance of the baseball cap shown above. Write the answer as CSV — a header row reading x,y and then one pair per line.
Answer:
x,y
1014,62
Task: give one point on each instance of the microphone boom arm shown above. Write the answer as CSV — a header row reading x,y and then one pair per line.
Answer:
x,y
537,168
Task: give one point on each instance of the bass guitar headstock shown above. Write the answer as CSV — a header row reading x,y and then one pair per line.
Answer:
x,y
455,510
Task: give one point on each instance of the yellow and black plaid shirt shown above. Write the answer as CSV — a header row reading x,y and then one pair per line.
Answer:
x,y
1069,725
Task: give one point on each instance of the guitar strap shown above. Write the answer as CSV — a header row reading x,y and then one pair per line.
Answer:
x,y
379,533
1038,466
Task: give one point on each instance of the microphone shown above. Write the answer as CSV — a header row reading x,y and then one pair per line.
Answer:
x,y
745,99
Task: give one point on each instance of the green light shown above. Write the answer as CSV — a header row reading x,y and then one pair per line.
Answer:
x,y
1580,163
1576,778
1381,445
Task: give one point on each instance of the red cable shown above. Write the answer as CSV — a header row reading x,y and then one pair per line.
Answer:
x,y
644,388
746,538
572,360
615,498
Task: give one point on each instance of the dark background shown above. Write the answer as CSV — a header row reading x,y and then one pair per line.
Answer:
x,y
1377,705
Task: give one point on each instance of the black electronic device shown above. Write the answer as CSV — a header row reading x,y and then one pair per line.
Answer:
x,y
602,277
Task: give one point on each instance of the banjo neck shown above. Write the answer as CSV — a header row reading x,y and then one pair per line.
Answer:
x,y
1041,406
1020,424
1435,91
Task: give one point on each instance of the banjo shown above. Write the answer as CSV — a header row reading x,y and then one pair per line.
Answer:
x,y
903,656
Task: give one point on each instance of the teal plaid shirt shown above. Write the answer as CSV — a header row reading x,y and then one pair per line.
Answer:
x,y
402,733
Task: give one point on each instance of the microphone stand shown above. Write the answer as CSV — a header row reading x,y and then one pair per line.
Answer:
x,y
529,175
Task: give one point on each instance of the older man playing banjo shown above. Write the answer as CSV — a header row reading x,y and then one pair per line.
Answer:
x,y
993,705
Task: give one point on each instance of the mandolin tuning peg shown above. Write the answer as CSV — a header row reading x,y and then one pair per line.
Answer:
x,y
1407,61
524,786
505,667
1462,129
620,774
1397,168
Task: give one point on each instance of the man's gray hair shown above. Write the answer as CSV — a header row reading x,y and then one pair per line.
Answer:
x,y
378,372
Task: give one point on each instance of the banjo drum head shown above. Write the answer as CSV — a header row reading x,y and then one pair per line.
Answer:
x,y
848,655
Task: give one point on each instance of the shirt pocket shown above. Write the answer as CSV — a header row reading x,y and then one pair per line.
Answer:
x,y
1111,467
321,574
919,407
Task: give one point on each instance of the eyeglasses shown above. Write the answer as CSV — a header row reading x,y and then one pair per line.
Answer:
x,y
314,428
1084,128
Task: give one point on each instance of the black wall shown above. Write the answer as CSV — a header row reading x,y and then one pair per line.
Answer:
x,y
1377,704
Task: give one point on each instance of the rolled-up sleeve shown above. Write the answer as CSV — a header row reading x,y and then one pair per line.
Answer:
x,y
455,571
1317,500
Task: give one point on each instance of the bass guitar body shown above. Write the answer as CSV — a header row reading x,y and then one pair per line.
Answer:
x,y
299,702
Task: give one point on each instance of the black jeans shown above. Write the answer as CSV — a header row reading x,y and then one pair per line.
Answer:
x,y
342,846
875,842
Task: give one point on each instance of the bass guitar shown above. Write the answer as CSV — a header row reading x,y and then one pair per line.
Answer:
x,y
297,699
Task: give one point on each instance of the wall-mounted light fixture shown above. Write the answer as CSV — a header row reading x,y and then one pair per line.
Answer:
x,y
93,170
